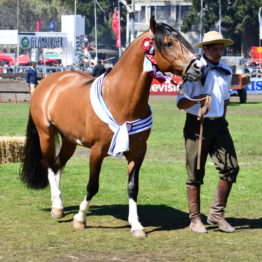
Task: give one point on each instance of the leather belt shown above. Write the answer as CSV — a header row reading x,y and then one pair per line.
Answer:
x,y
208,118
212,118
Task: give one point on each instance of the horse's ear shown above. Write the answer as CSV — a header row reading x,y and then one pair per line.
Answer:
x,y
153,24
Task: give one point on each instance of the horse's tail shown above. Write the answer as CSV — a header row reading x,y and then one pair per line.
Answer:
x,y
32,171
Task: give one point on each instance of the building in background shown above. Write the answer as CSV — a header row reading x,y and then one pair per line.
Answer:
x,y
170,12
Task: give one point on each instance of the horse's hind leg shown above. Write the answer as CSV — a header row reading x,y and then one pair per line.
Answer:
x,y
54,176
134,164
95,161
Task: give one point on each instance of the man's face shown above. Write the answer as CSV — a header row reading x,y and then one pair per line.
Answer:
x,y
213,52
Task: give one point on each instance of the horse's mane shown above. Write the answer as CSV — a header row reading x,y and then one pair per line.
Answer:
x,y
163,29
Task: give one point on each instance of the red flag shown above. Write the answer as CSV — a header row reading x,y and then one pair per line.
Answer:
x,y
38,25
116,27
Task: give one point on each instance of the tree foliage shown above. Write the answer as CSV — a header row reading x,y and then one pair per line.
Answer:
x,y
239,20
46,10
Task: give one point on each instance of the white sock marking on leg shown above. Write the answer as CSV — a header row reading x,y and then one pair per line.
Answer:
x,y
84,207
54,181
133,216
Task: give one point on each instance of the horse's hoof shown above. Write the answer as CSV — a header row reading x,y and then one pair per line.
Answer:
x,y
78,224
57,213
139,233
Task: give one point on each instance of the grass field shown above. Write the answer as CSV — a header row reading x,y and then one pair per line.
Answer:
x,y
28,233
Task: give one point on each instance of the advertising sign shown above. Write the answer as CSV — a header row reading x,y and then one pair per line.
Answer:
x,y
41,40
8,37
157,88
255,87
256,54
165,88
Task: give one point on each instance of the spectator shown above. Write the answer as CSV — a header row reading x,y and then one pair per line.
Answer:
x,y
31,78
99,69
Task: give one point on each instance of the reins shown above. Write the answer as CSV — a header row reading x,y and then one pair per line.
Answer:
x,y
147,46
182,91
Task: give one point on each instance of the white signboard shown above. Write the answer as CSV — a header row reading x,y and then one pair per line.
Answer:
x,y
8,37
42,40
74,27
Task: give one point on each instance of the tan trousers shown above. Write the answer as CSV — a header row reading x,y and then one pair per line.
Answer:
x,y
217,143
32,88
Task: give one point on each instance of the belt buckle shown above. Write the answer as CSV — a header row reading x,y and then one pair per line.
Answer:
x,y
212,118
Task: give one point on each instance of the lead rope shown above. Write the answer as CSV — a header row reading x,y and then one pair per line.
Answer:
x,y
202,111
181,90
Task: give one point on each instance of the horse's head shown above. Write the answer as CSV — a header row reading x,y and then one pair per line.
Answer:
x,y
173,53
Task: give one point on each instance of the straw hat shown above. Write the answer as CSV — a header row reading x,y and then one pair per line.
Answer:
x,y
213,37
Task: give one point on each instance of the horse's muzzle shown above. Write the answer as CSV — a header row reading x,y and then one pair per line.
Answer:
x,y
194,71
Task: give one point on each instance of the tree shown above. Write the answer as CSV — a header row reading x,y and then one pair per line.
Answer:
x,y
239,20
47,10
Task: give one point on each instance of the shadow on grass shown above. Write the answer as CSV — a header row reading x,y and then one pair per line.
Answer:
x,y
239,223
245,223
160,217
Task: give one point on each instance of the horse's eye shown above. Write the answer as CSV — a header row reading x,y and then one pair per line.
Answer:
x,y
168,44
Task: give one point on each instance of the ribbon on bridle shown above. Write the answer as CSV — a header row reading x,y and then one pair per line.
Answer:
x,y
150,64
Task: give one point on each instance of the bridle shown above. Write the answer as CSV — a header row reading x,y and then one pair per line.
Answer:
x,y
148,47
186,68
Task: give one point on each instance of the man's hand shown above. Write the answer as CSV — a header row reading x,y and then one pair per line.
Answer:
x,y
203,99
204,106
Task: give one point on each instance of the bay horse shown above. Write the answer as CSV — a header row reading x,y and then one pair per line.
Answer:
x,y
109,115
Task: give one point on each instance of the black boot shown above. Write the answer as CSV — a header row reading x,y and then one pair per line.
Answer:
x,y
216,214
193,196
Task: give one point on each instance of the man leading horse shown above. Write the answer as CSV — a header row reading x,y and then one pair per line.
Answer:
x,y
215,139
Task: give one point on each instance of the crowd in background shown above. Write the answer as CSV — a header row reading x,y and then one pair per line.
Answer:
x,y
89,67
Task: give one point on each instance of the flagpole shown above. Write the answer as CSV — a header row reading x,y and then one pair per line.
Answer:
x,y
75,57
17,25
119,49
96,58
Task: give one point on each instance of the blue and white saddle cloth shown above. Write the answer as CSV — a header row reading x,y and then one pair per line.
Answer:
x,y
120,140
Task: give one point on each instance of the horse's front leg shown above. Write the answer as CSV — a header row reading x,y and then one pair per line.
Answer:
x,y
137,229
96,159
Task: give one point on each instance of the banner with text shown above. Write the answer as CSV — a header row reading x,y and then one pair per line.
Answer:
x,y
157,88
41,40
165,88
255,87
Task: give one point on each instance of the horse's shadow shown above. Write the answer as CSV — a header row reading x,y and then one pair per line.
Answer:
x,y
155,217
160,217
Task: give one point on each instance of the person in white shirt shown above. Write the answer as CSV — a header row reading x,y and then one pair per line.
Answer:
x,y
216,140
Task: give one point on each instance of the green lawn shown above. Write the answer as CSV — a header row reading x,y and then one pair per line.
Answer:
x,y
28,233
